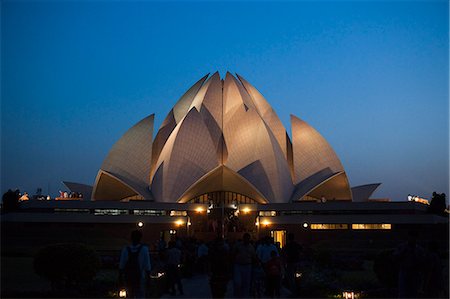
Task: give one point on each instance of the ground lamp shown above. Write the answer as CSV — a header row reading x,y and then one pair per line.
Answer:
x,y
122,293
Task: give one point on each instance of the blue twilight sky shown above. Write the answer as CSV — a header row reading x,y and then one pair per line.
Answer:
x,y
371,77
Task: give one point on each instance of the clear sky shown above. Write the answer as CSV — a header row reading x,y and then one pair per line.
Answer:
x,y
371,77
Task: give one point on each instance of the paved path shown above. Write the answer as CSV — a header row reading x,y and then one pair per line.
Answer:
x,y
198,287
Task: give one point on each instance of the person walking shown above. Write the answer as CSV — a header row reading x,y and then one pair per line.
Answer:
x,y
134,266
173,268
219,260
264,250
244,257
291,254
273,272
202,257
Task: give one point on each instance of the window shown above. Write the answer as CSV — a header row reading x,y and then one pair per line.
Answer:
x,y
372,226
149,212
110,212
71,210
267,213
279,236
178,213
295,212
329,226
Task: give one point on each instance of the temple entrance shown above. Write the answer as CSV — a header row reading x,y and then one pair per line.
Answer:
x,y
279,236
228,213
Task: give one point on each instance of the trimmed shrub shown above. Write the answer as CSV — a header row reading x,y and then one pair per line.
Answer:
x,y
67,264
385,268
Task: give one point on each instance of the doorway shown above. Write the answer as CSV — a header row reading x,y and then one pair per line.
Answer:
x,y
279,236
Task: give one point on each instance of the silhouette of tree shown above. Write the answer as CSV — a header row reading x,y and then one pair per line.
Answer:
x,y
437,204
10,200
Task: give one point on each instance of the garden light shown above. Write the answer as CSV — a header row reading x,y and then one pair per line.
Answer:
x,y
351,295
122,293
158,275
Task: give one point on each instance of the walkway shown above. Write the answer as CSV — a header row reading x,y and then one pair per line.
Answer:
x,y
198,287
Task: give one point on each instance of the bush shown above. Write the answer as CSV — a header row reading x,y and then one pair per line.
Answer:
x,y
67,265
385,268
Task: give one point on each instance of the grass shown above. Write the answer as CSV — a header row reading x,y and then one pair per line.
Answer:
x,y
18,275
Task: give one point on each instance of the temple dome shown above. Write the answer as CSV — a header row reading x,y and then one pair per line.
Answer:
x,y
222,136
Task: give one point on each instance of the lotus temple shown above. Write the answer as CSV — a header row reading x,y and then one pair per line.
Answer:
x,y
222,163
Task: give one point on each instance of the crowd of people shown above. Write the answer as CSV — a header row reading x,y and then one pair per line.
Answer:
x,y
258,268
255,268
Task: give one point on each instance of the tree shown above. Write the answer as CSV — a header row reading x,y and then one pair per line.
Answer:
x,y
437,204
67,265
10,201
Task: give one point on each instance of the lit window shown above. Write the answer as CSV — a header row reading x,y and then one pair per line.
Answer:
x,y
178,213
329,226
268,213
149,212
279,236
372,226
109,212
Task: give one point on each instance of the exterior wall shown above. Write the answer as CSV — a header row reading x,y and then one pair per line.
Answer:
x,y
109,238
363,241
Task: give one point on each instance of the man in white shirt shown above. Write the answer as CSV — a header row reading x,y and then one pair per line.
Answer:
x,y
134,266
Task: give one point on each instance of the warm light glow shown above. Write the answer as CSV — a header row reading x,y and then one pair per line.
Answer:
x,y
189,223
298,274
140,224
268,213
265,222
350,295
122,293
371,226
246,210
418,199
179,222
305,225
199,210
178,213
279,236
329,226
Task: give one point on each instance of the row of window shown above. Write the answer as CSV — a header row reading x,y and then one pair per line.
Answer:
x,y
332,212
219,197
116,212
355,226
314,226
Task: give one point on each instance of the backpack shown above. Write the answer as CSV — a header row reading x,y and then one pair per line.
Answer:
x,y
132,268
